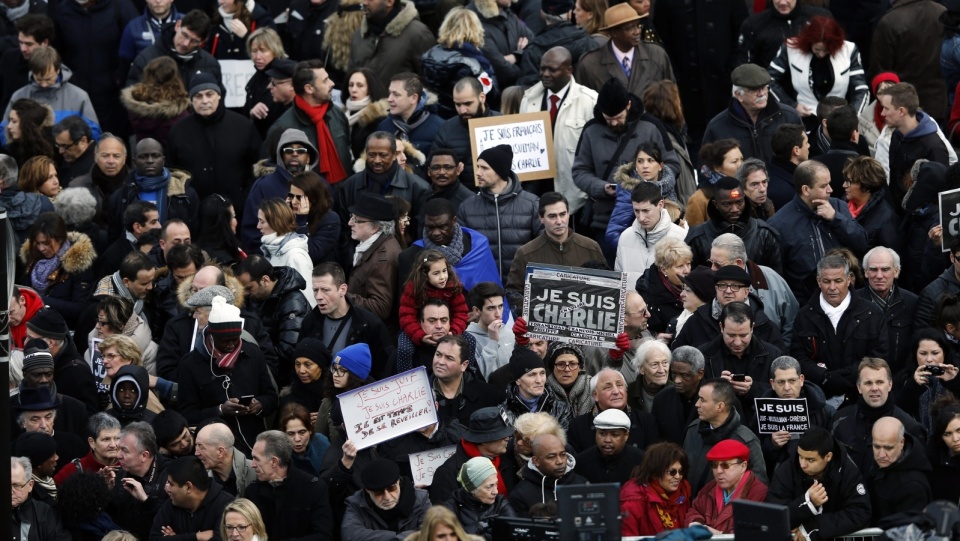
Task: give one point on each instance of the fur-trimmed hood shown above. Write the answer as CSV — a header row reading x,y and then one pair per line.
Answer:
x,y
178,182
408,14
234,285
340,27
263,168
163,109
77,259
373,112
628,181
487,9
413,156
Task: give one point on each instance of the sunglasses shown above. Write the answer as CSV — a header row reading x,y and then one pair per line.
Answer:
x,y
674,472
290,150
724,465
291,195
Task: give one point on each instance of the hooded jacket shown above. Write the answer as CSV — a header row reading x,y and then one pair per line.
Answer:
x,y
535,487
701,437
847,509
636,246
66,99
32,304
443,67
190,64
754,138
902,486
275,184
475,516
923,142
153,119
69,285
397,49
138,376
760,240
22,209
283,312
296,118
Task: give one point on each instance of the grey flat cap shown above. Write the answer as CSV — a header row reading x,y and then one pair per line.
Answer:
x,y
204,297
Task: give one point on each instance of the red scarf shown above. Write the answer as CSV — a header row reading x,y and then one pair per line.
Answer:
x,y
674,290
854,208
330,164
473,452
223,360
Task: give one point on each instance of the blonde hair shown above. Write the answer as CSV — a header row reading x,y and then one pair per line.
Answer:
x,y
126,346
119,535
249,512
531,425
269,39
671,251
460,26
439,515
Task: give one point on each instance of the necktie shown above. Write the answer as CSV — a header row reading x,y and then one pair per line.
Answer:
x,y
554,107
626,66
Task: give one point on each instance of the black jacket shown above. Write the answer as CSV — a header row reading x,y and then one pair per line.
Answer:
x,y
702,327
835,158
549,403
945,475
73,377
945,284
445,477
900,321
754,363
663,305
453,134
902,486
643,430
133,515
185,523
853,424
183,203
204,387
754,138
305,28
199,61
476,394
565,34
673,413
879,219
597,468
364,327
476,517
830,357
760,240
923,143
780,188
44,522
283,311
502,29
298,509
223,44
534,487
762,34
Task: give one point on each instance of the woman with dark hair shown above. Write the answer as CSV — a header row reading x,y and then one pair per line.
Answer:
x,y
662,100
310,199
365,103
402,232
281,244
81,501
39,175
865,187
218,231
158,101
943,448
816,63
308,446
59,266
658,497
311,365
264,46
28,131
234,20
349,371
717,159
933,369
567,376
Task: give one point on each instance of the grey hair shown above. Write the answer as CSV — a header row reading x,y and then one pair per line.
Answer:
x,y
749,167
784,362
876,250
648,347
76,206
101,421
9,170
146,437
22,417
24,463
387,228
737,90
277,444
219,434
107,135
732,244
595,379
833,262
689,355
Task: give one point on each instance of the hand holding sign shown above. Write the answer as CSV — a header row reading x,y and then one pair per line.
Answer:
x,y
388,408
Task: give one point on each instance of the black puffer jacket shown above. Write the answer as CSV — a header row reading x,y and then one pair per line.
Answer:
x,y
760,240
703,327
283,311
663,305
443,67
475,516
548,403
762,34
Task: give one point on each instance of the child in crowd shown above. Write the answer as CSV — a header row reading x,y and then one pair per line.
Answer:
x,y
432,277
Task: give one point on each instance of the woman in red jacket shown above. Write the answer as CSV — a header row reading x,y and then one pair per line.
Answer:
x,y
658,497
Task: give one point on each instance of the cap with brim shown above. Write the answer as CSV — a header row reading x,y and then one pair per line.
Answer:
x,y
619,14
204,297
731,272
700,281
750,76
373,207
611,419
487,424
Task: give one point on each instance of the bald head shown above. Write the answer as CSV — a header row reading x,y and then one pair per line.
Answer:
x,y
214,447
148,158
888,441
556,69
216,434
206,277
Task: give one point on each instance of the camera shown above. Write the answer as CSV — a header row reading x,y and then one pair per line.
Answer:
x,y
936,370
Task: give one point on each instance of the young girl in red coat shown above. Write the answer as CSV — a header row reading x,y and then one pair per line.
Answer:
x,y
432,277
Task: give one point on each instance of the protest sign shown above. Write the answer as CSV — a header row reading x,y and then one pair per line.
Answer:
x,y
776,414
530,135
388,408
423,465
949,218
236,74
96,365
574,305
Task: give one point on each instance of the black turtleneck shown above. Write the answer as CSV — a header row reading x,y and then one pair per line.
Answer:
x,y
382,180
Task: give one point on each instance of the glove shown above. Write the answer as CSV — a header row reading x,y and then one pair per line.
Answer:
x,y
520,332
623,345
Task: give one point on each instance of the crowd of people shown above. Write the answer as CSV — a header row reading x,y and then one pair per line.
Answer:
x,y
197,283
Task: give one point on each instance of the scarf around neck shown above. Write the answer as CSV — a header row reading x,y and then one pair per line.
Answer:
x,y
453,251
223,360
330,164
472,451
159,185
353,109
122,290
363,247
40,275
15,13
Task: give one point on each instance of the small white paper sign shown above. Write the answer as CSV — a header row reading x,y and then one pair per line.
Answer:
x,y
388,408
236,74
424,465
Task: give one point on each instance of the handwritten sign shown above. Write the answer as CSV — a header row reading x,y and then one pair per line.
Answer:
x,y
423,465
782,414
574,305
236,74
949,218
530,135
388,408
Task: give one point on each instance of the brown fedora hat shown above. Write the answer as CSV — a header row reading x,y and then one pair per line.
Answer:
x,y
619,14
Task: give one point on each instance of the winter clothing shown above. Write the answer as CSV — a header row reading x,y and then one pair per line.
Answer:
x,y
396,48
137,375
535,487
153,119
290,251
398,183
68,285
575,251
142,32
188,523
643,429
792,74
502,29
922,143
306,28
548,402
182,202
475,516
443,67
853,424
191,64
65,98
297,118
701,437
596,468
762,34
704,326
821,415
223,44
648,510
650,64
754,137
564,34
364,521
900,319
453,134
711,508
365,327
373,280
754,362
636,246
131,514
902,486
760,240
409,304
578,396
43,520
296,508
283,311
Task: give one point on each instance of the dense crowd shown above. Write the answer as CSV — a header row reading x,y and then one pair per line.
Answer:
x,y
205,267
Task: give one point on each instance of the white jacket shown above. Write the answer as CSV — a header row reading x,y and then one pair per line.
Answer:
x,y
290,250
636,246
575,111
848,77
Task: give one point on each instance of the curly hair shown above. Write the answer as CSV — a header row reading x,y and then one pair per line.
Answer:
x,y
420,272
657,460
76,206
81,497
161,82
820,29
127,348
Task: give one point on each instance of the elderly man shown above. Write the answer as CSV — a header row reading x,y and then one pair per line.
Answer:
x,y
36,411
138,487
108,174
227,465
549,467
732,480
570,105
487,435
835,330
653,364
611,460
636,317
294,505
881,266
897,478
718,420
387,507
31,519
779,303
673,407
373,277
609,391
529,391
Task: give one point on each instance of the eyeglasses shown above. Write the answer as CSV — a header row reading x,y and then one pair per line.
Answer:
x,y
675,472
338,370
112,356
405,220
20,486
724,465
355,220
442,167
274,82
731,287
639,312
291,195
61,147
236,528
567,366
101,323
290,150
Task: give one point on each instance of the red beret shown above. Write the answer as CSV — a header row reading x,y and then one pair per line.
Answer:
x,y
729,449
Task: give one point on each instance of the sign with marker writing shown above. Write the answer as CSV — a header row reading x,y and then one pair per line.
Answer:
x,y
236,74
530,135
425,464
574,305
782,414
949,218
388,408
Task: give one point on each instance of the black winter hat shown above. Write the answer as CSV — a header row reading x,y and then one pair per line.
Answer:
x,y
48,323
523,360
380,474
36,446
613,97
700,281
500,159
732,273
556,7
313,349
